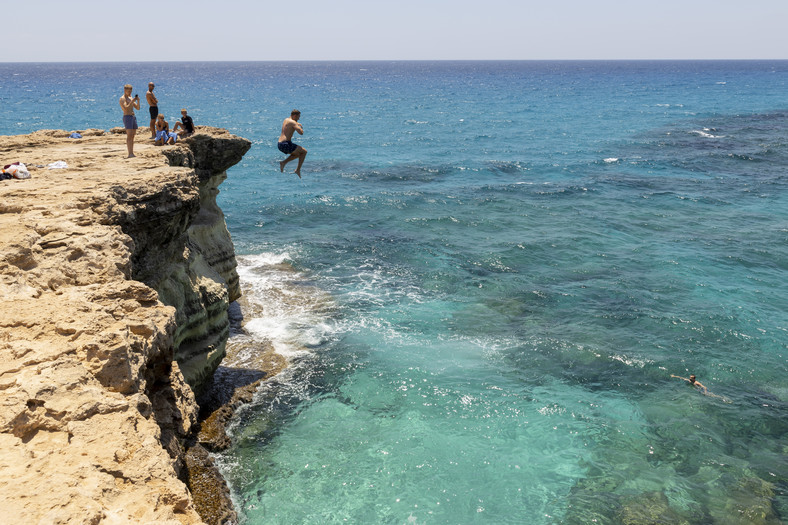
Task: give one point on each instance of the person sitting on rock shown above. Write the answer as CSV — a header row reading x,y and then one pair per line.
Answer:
x,y
163,135
186,123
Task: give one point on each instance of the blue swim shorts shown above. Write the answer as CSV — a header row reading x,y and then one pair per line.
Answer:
x,y
165,136
287,147
129,122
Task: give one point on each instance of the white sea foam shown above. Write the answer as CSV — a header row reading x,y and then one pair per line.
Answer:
x,y
280,307
611,160
629,361
706,133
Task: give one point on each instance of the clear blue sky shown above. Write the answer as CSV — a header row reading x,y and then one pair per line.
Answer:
x,y
101,30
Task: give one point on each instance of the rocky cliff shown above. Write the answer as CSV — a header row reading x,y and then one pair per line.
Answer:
x,y
116,276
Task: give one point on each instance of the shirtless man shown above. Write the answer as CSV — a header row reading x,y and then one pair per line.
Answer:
x,y
128,105
693,382
286,146
153,102
703,390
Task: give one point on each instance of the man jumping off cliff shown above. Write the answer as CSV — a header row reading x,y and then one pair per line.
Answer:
x,y
286,146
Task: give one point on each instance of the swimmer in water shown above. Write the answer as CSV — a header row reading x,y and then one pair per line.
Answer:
x,y
692,381
700,386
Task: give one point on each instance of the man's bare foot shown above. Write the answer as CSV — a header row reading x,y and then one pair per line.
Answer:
x,y
131,156
282,167
297,173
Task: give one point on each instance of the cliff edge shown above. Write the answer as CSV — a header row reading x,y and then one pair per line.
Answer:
x,y
116,275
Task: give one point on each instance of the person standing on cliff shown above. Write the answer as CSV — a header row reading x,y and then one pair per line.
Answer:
x,y
153,102
289,126
128,105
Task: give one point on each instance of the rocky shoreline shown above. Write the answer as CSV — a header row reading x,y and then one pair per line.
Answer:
x,y
117,276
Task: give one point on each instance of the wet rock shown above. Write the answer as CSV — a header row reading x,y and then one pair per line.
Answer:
x,y
209,491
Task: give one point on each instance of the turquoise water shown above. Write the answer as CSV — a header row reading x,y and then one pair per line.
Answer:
x,y
487,277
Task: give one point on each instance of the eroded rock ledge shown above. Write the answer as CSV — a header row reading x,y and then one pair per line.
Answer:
x,y
116,275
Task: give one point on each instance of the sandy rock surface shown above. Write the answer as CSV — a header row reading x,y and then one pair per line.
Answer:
x,y
87,377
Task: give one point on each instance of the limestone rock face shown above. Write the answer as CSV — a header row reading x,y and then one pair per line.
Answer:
x,y
115,276
184,251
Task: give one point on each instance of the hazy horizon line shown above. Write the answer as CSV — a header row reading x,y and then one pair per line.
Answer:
x,y
399,60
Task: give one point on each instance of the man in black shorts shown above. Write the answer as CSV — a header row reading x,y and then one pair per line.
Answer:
x,y
153,102
287,146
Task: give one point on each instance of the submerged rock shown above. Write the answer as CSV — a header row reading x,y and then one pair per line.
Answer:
x,y
750,503
650,508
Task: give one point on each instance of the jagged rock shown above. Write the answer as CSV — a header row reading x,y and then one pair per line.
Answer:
x,y
113,305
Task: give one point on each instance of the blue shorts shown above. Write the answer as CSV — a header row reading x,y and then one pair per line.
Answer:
x,y
287,147
129,122
165,136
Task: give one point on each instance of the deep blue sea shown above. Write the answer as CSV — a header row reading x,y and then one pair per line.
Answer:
x,y
486,278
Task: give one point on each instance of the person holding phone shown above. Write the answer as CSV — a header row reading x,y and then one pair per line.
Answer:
x,y
128,105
